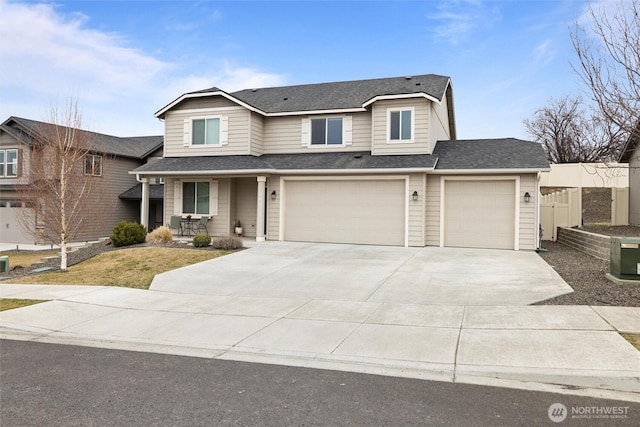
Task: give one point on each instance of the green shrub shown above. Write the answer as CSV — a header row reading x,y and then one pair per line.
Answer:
x,y
229,243
160,236
201,240
128,233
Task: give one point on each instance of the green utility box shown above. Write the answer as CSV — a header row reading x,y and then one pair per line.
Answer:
x,y
625,258
4,264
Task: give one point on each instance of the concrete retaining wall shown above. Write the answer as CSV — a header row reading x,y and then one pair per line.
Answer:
x,y
593,244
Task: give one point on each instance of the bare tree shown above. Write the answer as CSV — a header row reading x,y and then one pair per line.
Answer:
x,y
62,181
607,43
569,134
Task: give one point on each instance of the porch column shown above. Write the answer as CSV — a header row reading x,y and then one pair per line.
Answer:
x,y
144,203
262,180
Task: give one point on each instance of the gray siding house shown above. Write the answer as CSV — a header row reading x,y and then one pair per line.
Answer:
x,y
112,164
364,162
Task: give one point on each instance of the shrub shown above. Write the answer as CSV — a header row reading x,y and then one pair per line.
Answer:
x,y
160,236
229,243
201,240
128,233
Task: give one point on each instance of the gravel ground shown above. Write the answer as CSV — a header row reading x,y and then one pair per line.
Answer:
x,y
586,275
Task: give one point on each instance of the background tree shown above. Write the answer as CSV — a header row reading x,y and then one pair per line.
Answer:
x,y
62,182
570,134
607,43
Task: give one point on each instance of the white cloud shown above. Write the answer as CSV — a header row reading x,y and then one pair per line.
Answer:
x,y
457,19
47,56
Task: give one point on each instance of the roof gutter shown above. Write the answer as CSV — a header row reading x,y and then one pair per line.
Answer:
x,y
286,172
489,171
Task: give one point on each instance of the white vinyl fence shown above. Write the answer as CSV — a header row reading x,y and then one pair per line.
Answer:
x,y
564,209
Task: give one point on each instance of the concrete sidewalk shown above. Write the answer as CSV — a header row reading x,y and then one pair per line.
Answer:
x,y
571,349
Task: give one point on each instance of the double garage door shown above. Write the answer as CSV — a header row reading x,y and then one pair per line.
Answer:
x,y
345,211
480,214
477,213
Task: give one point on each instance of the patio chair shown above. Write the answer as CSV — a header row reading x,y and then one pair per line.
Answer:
x,y
176,223
202,225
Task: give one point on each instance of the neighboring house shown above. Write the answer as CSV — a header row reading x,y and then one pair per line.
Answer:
x,y
365,162
116,158
631,155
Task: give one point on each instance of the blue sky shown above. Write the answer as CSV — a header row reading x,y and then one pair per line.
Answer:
x,y
124,60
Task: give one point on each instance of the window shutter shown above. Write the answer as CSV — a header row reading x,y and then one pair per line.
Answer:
x,y
224,130
347,130
306,132
213,198
19,165
186,133
177,197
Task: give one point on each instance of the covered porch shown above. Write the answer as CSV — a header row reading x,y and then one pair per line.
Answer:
x,y
224,200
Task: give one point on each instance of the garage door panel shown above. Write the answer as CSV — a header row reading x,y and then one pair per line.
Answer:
x,y
345,211
480,214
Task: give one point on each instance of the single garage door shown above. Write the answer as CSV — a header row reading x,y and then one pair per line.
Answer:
x,y
480,214
345,211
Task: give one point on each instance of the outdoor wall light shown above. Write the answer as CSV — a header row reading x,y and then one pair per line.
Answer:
x,y
273,195
527,197
415,196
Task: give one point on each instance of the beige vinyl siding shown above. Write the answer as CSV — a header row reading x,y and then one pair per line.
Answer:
x,y
432,211
420,144
273,208
238,143
246,204
220,224
528,223
256,134
439,129
634,187
417,182
284,135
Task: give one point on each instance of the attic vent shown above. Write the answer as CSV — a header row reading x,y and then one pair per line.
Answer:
x,y
357,156
418,84
254,90
285,99
408,78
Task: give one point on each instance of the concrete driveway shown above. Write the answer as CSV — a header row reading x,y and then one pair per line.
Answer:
x,y
442,276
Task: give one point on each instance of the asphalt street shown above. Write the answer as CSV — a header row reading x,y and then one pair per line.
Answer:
x,y
62,385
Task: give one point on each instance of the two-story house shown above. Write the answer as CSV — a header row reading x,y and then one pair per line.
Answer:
x,y
111,165
365,162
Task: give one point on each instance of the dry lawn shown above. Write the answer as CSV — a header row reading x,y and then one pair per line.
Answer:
x,y
131,268
634,339
27,258
10,303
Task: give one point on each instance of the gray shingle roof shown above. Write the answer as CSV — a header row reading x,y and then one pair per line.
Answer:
x,y
330,96
134,147
506,153
279,162
340,95
156,192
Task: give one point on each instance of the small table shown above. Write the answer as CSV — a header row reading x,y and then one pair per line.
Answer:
x,y
189,227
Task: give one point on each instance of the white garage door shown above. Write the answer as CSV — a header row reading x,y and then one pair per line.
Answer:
x,y
11,219
345,211
480,214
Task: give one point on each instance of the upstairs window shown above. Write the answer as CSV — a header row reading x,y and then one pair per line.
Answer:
x,y
9,163
327,131
93,165
205,131
401,125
